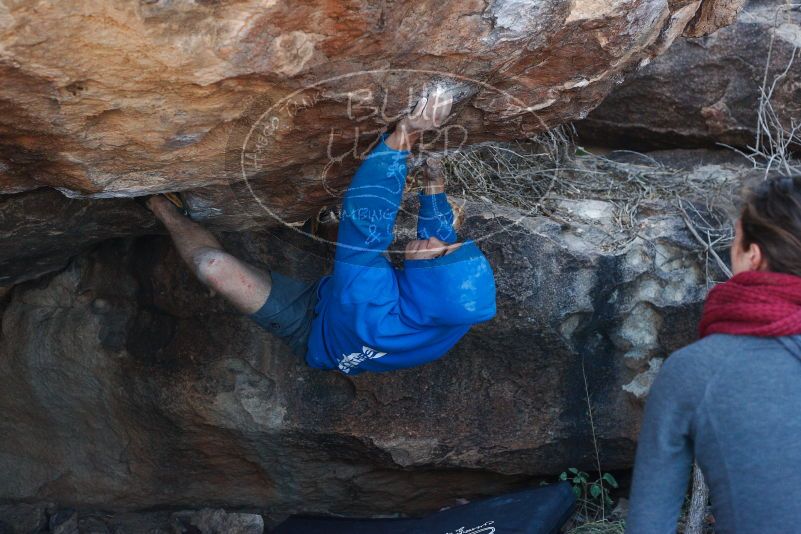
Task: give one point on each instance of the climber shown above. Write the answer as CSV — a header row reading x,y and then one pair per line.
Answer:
x,y
367,315
731,399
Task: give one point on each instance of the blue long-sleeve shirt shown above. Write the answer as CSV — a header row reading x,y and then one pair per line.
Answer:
x,y
435,218
373,317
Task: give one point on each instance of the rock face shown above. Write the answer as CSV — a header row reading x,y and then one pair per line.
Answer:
x,y
120,99
42,230
125,385
24,517
208,521
706,90
107,99
41,518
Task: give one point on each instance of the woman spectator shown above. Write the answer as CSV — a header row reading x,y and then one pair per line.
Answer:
x,y
732,399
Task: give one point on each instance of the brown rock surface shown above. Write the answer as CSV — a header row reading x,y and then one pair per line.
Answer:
x,y
124,385
120,99
109,99
713,15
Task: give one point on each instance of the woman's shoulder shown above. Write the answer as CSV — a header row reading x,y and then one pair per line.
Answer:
x,y
712,354
687,372
724,345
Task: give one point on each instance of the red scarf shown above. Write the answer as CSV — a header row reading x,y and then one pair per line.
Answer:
x,y
754,303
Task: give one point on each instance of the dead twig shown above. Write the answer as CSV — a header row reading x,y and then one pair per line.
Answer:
x,y
707,244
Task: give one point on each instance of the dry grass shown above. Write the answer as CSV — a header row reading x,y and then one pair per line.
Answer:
x,y
538,176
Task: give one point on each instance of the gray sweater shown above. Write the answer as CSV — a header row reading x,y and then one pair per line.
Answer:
x,y
733,402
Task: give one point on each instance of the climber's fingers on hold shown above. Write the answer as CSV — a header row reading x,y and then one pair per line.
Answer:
x,y
440,107
419,109
430,111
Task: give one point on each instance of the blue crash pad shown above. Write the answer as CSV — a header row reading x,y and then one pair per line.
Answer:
x,y
540,510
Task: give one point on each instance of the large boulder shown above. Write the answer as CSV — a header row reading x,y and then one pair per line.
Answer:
x,y
707,90
122,98
262,109
126,385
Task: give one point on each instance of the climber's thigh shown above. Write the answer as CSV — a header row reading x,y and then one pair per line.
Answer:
x,y
243,285
289,311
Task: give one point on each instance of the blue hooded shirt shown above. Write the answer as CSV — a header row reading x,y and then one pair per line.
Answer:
x,y
373,317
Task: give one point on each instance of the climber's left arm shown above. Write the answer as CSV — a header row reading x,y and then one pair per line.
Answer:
x,y
435,217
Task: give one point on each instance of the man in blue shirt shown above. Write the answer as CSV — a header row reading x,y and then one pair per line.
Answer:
x,y
367,315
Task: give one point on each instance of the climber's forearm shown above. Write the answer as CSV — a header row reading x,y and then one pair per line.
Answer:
x,y
403,139
189,237
434,186
435,218
370,206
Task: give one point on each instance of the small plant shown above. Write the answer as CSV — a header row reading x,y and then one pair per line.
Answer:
x,y
593,496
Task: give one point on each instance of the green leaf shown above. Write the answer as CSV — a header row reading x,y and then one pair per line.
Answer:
x,y
595,491
577,491
573,470
563,476
609,479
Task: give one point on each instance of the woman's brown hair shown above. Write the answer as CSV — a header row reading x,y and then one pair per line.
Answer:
x,y
771,218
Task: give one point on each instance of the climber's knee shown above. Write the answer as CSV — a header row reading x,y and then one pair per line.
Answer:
x,y
213,267
243,285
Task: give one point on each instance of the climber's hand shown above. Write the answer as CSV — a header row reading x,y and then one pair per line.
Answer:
x,y
428,249
429,113
159,205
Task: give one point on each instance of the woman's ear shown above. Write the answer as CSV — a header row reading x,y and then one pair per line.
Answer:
x,y
756,259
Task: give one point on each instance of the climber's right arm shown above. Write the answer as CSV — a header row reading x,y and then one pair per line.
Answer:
x,y
368,215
